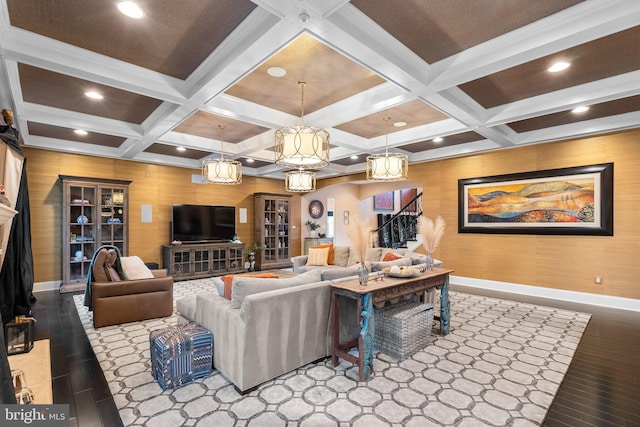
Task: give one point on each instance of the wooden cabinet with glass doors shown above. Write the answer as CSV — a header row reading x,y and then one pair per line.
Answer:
x,y
272,233
95,213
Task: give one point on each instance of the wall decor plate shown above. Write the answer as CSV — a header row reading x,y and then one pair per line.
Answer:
x,y
316,209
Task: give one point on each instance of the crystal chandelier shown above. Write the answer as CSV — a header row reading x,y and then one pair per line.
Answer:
x,y
300,181
302,147
387,166
221,171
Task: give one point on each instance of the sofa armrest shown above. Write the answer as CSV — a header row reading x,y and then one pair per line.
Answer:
x,y
131,300
131,287
299,261
160,273
228,328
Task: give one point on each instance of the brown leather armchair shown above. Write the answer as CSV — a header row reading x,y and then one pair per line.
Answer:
x,y
118,301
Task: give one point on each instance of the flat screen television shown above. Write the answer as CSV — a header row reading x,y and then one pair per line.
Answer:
x,y
200,224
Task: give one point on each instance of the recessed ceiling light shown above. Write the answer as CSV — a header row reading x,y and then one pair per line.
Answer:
x,y
400,124
249,160
354,157
558,66
94,95
580,109
81,132
131,9
438,139
276,72
181,149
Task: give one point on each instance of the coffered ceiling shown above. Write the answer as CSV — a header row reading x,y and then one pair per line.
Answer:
x,y
473,72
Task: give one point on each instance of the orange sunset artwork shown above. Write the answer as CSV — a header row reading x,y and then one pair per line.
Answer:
x,y
560,201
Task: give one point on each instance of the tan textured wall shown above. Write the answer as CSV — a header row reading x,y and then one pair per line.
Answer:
x,y
159,186
560,262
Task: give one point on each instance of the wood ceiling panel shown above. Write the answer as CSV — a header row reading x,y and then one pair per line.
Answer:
x,y
331,77
598,59
414,113
205,124
605,109
61,91
253,163
460,138
170,150
172,38
57,132
436,29
348,161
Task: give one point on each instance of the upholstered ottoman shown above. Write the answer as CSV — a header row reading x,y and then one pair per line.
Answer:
x,y
180,354
403,329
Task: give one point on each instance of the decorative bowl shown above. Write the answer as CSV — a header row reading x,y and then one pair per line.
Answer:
x,y
403,273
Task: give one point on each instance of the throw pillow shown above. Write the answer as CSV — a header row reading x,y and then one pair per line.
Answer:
x,y
219,284
228,281
244,286
330,259
379,266
318,256
134,268
390,256
373,254
341,255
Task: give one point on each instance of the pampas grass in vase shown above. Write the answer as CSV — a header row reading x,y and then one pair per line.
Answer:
x,y
359,234
431,232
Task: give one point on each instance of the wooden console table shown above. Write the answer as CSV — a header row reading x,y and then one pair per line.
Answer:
x,y
376,293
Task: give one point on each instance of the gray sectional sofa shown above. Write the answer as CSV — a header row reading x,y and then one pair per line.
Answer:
x,y
273,326
269,327
345,257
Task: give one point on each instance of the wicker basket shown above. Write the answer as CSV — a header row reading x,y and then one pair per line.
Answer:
x,y
403,329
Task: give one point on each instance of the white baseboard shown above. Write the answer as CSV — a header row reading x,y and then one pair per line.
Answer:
x,y
47,286
514,288
559,294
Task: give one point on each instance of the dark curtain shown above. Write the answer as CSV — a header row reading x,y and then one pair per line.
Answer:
x,y
7,393
16,276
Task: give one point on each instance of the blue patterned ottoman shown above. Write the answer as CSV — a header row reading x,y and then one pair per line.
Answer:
x,y
180,354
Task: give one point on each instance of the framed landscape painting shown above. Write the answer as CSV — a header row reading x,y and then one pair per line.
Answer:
x,y
572,201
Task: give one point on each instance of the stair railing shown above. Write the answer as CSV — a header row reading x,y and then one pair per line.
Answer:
x,y
394,232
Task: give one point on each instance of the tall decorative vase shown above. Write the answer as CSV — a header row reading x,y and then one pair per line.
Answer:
x,y
252,262
429,262
363,274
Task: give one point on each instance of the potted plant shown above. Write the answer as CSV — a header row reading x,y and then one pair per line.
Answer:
x,y
312,226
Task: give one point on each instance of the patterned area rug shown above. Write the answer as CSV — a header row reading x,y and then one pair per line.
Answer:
x,y
501,365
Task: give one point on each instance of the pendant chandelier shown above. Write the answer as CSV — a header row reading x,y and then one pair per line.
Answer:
x,y
300,181
387,166
302,147
221,171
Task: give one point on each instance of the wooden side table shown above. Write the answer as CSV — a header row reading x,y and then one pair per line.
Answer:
x,y
376,293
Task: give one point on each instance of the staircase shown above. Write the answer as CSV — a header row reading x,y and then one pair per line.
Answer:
x,y
401,229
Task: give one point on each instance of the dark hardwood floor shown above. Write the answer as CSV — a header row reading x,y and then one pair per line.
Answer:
x,y
76,374
602,385
601,388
